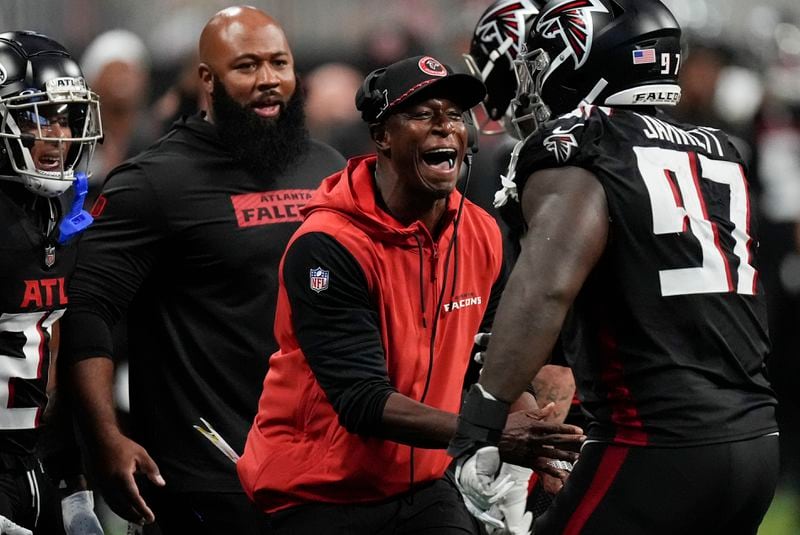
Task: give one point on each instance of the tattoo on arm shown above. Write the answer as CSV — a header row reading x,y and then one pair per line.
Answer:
x,y
559,392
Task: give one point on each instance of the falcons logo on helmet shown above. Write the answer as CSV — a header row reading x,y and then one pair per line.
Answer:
x,y
506,22
561,142
572,21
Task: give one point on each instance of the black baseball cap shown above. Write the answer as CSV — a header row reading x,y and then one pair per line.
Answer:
x,y
387,88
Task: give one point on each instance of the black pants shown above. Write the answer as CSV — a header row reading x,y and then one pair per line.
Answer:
x,y
434,509
29,499
200,513
721,488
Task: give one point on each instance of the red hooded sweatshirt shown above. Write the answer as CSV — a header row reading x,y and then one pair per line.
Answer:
x,y
297,451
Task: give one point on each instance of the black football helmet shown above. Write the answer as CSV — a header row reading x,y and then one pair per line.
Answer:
x,y
603,52
496,41
49,119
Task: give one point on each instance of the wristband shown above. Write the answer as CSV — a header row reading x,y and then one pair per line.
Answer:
x,y
63,465
480,423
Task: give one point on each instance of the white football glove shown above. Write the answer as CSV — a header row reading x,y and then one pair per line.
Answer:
x,y
7,527
511,507
480,487
481,340
78,512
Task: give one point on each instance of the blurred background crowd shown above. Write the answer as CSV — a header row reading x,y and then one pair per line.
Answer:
x,y
741,72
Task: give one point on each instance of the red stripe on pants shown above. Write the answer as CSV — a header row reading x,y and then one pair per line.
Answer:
x,y
607,470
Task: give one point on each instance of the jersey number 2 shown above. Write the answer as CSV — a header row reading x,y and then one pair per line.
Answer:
x,y
34,328
673,179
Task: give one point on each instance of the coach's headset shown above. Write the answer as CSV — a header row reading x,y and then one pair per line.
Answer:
x,y
373,103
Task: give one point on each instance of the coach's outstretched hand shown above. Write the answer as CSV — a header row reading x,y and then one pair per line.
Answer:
x,y
529,440
120,459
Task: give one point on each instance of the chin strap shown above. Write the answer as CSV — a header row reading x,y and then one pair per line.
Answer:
x,y
77,219
508,188
598,88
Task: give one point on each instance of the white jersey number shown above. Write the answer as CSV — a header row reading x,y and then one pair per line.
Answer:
x,y
34,327
672,179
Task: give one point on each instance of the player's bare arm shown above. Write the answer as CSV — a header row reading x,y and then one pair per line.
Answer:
x,y
118,458
567,219
529,439
555,384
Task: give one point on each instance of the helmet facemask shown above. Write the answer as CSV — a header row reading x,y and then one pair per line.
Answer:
x,y
528,110
47,134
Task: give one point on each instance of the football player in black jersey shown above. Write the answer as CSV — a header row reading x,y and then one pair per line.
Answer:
x,y
496,41
49,123
639,242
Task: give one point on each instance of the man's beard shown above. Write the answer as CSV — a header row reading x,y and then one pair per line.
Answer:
x,y
265,147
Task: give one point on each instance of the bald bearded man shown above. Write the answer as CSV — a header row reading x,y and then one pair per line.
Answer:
x,y
187,240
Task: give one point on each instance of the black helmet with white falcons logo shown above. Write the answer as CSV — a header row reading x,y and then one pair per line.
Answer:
x,y
49,119
602,52
498,37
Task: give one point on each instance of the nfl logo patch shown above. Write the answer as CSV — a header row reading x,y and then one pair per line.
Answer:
x,y
319,279
641,57
49,256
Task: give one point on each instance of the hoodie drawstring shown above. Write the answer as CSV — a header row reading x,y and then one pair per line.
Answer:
x,y
452,248
456,223
455,259
421,281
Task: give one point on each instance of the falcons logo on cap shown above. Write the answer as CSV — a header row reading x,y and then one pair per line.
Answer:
x,y
505,24
561,142
572,21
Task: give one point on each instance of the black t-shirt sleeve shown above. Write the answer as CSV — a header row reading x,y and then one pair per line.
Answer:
x,y
115,255
338,330
494,300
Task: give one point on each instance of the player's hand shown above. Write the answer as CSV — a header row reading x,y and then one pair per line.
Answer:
x,y
120,459
7,527
480,487
529,440
78,512
511,507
